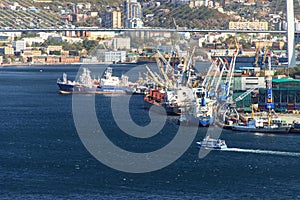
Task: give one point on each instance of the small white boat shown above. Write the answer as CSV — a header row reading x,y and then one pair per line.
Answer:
x,y
209,143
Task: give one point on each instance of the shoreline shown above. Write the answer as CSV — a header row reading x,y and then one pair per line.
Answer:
x,y
46,64
78,63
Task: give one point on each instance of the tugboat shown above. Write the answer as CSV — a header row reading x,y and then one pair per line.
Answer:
x,y
209,143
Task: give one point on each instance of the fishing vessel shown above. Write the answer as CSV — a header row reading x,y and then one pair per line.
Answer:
x,y
209,143
86,85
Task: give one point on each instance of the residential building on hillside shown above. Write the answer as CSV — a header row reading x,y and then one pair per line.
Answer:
x,y
51,49
45,35
180,2
248,26
132,14
92,14
4,38
32,40
94,35
112,19
19,45
7,51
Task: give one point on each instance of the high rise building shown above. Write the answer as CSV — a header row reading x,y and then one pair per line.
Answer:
x,y
132,14
112,19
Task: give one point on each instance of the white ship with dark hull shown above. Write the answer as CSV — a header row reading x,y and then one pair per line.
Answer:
x,y
209,143
86,85
263,126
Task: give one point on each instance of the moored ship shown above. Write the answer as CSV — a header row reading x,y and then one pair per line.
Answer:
x,y
199,112
164,99
86,85
263,125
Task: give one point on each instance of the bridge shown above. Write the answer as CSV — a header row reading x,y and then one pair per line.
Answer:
x,y
141,29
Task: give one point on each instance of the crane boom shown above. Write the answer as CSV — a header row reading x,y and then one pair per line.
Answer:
x,y
166,78
231,72
155,79
220,77
242,96
216,72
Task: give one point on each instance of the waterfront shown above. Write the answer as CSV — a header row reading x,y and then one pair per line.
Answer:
x,y
42,156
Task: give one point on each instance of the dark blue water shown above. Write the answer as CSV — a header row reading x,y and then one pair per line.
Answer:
x,y
42,157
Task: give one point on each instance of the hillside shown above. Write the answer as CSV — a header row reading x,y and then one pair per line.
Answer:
x,y
57,13
184,16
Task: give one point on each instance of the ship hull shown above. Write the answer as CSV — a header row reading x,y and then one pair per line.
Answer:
x,y
211,146
197,121
78,89
169,110
282,129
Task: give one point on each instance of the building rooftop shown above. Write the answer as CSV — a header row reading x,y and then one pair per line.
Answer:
x,y
285,80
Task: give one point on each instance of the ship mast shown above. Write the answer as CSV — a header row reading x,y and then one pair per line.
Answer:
x,y
290,33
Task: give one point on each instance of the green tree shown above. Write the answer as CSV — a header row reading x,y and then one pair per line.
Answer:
x,y
89,45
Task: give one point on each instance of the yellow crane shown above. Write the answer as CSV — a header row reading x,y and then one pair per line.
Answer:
x,y
265,54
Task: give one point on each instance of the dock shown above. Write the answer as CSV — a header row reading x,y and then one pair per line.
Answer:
x,y
288,117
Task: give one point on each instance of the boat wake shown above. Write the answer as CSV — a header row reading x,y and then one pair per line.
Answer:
x,y
258,151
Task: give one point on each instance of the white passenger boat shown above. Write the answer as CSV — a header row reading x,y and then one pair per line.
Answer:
x,y
209,143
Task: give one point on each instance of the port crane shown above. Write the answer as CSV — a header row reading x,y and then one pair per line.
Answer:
x,y
269,105
224,93
213,89
189,68
216,72
207,77
226,107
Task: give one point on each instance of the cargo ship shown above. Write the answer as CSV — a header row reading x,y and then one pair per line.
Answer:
x,y
86,85
166,99
197,113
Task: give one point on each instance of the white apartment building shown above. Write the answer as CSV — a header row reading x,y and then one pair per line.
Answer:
x,y
121,43
19,45
115,56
